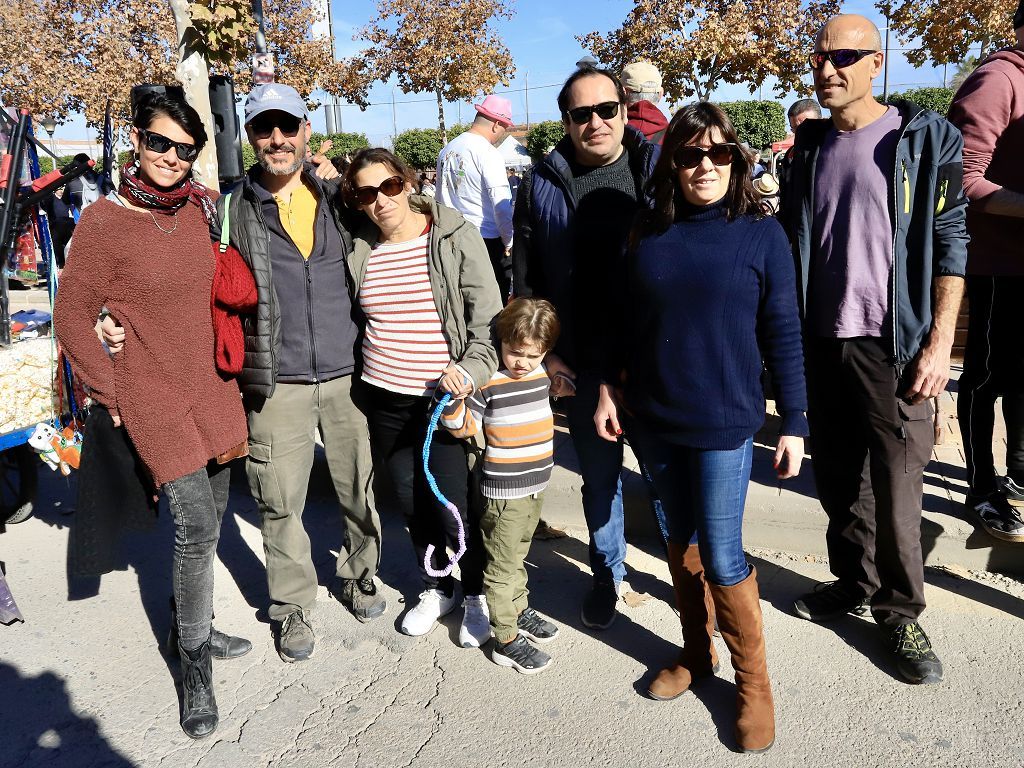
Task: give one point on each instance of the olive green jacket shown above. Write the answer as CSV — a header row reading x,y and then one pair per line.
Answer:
x,y
462,281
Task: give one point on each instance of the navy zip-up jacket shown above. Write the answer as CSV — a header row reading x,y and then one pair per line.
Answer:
x,y
544,258
928,211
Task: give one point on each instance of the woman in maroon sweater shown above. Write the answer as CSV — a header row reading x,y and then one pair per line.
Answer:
x,y
146,255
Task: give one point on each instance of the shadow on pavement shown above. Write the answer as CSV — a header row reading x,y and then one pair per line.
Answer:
x,y
973,590
41,729
781,586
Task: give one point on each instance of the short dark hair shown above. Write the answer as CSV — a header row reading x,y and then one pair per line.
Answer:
x,y
374,156
588,71
690,122
154,105
528,319
804,105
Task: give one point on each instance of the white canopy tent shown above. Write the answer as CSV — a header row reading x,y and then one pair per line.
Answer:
x,y
514,154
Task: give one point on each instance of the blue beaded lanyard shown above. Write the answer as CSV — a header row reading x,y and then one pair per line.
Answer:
x,y
435,417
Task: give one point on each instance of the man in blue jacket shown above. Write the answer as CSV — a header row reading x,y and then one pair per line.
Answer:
x,y
572,217
876,212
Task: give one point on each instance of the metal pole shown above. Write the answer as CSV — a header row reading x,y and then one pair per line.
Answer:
x,y
394,118
885,77
261,35
329,116
8,219
527,78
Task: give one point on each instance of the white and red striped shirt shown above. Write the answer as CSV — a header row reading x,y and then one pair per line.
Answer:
x,y
404,348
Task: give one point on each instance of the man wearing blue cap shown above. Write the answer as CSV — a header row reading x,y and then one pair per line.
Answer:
x,y
300,356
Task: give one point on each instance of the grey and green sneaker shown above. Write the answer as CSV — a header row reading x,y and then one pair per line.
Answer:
x,y
536,627
915,659
520,656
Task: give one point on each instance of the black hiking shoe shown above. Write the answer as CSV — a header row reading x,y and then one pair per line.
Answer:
x,y
997,516
536,627
199,714
295,637
520,656
598,611
361,598
830,600
915,659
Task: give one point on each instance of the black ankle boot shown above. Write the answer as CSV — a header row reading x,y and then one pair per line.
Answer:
x,y
221,646
199,714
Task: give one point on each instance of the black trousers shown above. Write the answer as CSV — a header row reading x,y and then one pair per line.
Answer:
x,y
869,450
993,367
398,425
502,266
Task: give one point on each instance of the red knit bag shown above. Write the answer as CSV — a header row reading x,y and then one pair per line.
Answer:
x,y
234,295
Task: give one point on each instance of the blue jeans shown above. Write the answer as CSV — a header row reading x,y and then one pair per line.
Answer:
x,y
601,469
702,492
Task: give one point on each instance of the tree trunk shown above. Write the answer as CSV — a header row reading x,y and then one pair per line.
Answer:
x,y
440,118
193,72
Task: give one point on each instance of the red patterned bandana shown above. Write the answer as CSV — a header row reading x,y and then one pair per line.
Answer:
x,y
169,201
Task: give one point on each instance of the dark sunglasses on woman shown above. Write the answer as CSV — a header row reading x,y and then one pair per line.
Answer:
x,y
690,156
390,187
841,57
264,125
606,110
159,143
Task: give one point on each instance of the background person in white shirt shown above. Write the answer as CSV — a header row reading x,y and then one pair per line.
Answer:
x,y
471,179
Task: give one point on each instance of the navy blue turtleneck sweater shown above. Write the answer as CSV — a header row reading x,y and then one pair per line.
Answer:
x,y
709,300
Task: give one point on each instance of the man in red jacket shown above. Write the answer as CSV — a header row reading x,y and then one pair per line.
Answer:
x,y
989,111
642,82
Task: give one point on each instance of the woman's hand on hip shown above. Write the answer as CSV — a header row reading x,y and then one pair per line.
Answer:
x,y
111,334
606,417
455,383
788,457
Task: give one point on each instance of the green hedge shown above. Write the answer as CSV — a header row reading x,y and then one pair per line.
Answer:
x,y
420,147
543,136
759,123
344,143
936,99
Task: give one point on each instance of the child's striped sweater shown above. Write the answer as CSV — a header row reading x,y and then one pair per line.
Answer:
x,y
519,430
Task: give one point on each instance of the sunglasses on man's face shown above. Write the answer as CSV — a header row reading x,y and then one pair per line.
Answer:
x,y
841,57
689,156
368,195
606,110
264,125
159,143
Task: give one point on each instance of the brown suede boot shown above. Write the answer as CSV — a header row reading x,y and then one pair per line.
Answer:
x,y
739,621
697,615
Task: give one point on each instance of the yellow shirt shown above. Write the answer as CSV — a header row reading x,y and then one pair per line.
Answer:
x,y
298,217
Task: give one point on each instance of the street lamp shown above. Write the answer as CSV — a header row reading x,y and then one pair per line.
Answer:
x,y
50,125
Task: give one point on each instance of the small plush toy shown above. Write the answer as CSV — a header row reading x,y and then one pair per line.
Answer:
x,y
57,449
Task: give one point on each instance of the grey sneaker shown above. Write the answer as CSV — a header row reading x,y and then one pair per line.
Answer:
x,y
830,600
997,517
536,627
295,637
361,598
1014,493
521,656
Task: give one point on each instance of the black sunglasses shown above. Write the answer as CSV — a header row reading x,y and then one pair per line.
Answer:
x,y
606,110
158,143
841,57
690,156
264,125
390,187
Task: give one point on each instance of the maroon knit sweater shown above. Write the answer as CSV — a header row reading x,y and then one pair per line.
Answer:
x,y
178,411
988,109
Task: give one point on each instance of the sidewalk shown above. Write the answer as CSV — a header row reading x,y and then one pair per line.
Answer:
x,y
84,683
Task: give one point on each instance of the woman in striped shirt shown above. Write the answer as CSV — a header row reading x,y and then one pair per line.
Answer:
x,y
428,295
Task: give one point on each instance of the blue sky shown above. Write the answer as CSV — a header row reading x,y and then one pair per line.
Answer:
x,y
541,37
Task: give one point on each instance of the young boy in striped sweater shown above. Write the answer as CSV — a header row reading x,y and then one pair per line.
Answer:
x,y
515,414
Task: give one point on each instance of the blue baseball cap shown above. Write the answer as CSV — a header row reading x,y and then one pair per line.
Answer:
x,y
273,96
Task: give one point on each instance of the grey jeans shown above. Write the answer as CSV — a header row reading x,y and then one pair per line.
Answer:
x,y
197,502
282,435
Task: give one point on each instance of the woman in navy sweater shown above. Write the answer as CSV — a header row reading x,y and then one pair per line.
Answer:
x,y
710,297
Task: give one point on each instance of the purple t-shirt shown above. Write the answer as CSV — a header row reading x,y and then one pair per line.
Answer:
x,y
848,285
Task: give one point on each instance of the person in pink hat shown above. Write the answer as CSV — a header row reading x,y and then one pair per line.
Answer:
x,y
471,179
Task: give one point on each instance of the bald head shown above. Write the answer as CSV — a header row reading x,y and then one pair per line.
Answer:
x,y
857,31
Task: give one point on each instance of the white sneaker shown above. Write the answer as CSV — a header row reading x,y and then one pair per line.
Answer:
x,y
422,617
476,622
